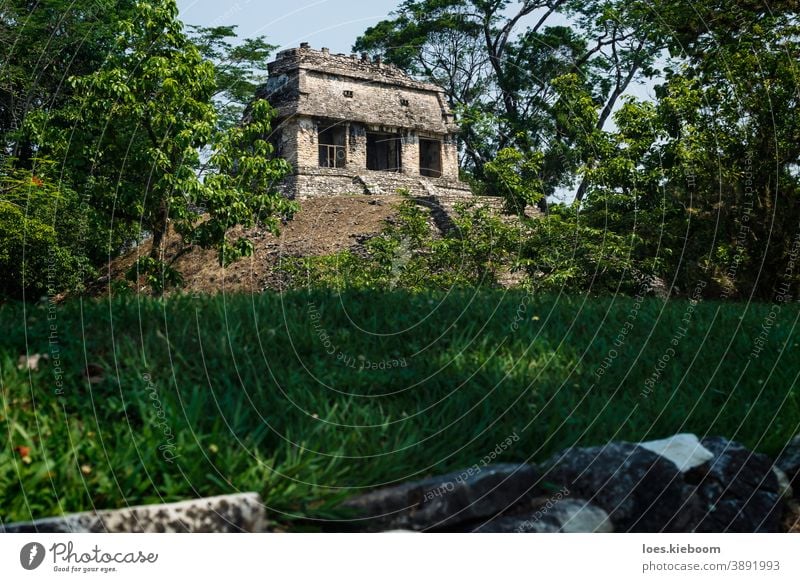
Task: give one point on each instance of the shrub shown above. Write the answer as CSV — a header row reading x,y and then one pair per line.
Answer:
x,y
41,246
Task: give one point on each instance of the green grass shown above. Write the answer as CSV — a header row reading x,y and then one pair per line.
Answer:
x,y
252,401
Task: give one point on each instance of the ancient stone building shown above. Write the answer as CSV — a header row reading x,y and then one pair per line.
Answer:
x,y
350,125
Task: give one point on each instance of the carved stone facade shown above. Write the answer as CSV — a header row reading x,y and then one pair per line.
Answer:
x,y
350,125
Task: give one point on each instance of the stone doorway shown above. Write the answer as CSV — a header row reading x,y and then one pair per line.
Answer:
x,y
430,158
383,152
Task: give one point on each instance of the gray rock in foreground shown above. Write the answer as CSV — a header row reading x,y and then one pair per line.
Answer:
x,y
738,491
674,485
678,484
640,490
789,462
225,514
554,516
445,501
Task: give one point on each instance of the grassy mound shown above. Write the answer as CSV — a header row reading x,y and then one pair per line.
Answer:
x,y
308,398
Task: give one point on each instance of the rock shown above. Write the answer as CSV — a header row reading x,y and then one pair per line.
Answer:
x,y
789,462
675,484
784,486
225,514
737,491
791,517
684,450
31,362
442,502
640,490
554,516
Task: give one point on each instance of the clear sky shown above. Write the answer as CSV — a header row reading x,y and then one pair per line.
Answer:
x,y
324,23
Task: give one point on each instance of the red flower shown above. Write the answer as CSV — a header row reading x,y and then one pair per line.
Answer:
x,y
36,181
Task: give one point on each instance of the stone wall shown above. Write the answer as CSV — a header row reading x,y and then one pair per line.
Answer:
x,y
315,83
323,95
242,513
288,62
315,181
410,154
297,141
356,146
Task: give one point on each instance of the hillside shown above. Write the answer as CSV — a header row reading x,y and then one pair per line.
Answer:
x,y
324,225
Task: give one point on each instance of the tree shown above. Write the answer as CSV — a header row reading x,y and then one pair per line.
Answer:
x,y
741,141
515,176
36,257
44,43
561,252
51,239
137,127
498,59
239,68
708,174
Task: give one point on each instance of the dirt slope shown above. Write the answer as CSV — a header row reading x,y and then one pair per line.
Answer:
x,y
323,226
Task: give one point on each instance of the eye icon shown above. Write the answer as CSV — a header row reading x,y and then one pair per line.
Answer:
x,y
31,555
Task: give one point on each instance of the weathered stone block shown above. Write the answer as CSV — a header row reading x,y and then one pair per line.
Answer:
x,y
225,514
561,516
738,491
639,489
445,501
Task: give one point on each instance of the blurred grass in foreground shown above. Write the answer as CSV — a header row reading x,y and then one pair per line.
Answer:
x,y
308,398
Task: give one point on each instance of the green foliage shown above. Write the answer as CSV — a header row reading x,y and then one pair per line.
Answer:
x,y
146,111
156,134
338,271
498,63
242,190
52,237
42,244
562,253
516,176
44,42
706,176
700,183
406,255
241,412
479,250
240,68
135,133
157,275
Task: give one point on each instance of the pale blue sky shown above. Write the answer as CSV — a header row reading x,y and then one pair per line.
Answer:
x,y
331,23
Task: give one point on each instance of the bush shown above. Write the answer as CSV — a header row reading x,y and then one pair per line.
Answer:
x,y
562,252
407,255
41,250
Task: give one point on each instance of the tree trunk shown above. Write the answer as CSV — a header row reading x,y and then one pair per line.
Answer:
x,y
160,227
581,193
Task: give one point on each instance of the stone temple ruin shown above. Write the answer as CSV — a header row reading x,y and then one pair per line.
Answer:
x,y
351,125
